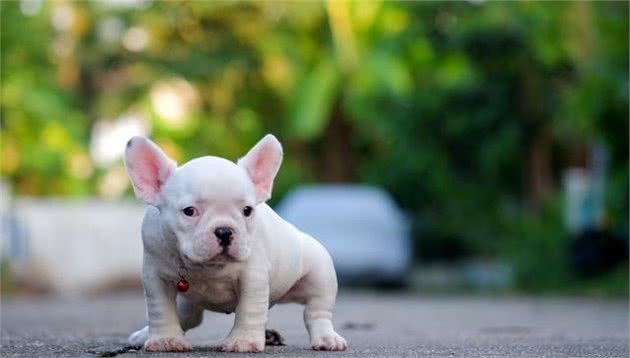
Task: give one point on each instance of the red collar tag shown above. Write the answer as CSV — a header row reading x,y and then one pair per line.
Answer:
x,y
182,285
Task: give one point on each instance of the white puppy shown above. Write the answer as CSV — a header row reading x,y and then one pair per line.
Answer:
x,y
208,234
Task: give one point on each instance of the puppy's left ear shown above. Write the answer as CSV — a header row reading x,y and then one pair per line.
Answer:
x,y
262,163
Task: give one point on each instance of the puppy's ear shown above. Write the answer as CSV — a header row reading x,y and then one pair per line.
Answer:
x,y
261,164
148,168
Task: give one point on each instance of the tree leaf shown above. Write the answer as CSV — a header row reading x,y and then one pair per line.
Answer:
x,y
309,109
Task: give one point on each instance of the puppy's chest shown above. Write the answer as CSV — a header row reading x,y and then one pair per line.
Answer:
x,y
216,291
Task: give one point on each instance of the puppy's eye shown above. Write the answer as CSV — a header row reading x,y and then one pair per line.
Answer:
x,y
190,211
247,211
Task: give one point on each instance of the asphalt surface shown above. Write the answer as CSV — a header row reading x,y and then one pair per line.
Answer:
x,y
375,325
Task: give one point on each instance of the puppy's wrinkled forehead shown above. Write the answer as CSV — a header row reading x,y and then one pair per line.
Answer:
x,y
211,179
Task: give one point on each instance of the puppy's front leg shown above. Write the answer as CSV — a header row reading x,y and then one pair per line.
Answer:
x,y
165,332
248,333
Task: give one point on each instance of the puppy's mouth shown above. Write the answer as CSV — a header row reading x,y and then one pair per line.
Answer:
x,y
219,259
223,257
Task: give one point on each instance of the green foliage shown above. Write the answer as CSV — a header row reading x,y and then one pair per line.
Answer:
x,y
536,243
313,101
447,105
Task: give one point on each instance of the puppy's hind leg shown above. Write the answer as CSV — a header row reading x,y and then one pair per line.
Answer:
x,y
320,287
190,316
137,338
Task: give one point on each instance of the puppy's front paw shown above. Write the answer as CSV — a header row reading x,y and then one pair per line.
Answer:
x,y
329,342
167,344
243,343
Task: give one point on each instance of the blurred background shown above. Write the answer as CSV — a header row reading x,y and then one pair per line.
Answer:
x,y
482,146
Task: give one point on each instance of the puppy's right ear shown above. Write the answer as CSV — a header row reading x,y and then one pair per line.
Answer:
x,y
148,168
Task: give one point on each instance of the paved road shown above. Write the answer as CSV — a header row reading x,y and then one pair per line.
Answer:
x,y
376,325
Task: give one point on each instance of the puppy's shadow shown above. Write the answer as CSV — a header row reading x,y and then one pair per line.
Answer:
x,y
207,349
121,351
216,350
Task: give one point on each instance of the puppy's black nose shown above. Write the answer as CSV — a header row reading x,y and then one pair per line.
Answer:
x,y
224,234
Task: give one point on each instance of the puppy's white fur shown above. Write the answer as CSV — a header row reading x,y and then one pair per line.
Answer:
x,y
267,262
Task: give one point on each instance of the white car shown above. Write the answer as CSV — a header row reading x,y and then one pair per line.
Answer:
x,y
366,233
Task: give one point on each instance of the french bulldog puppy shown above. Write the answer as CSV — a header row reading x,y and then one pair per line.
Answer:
x,y
211,243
